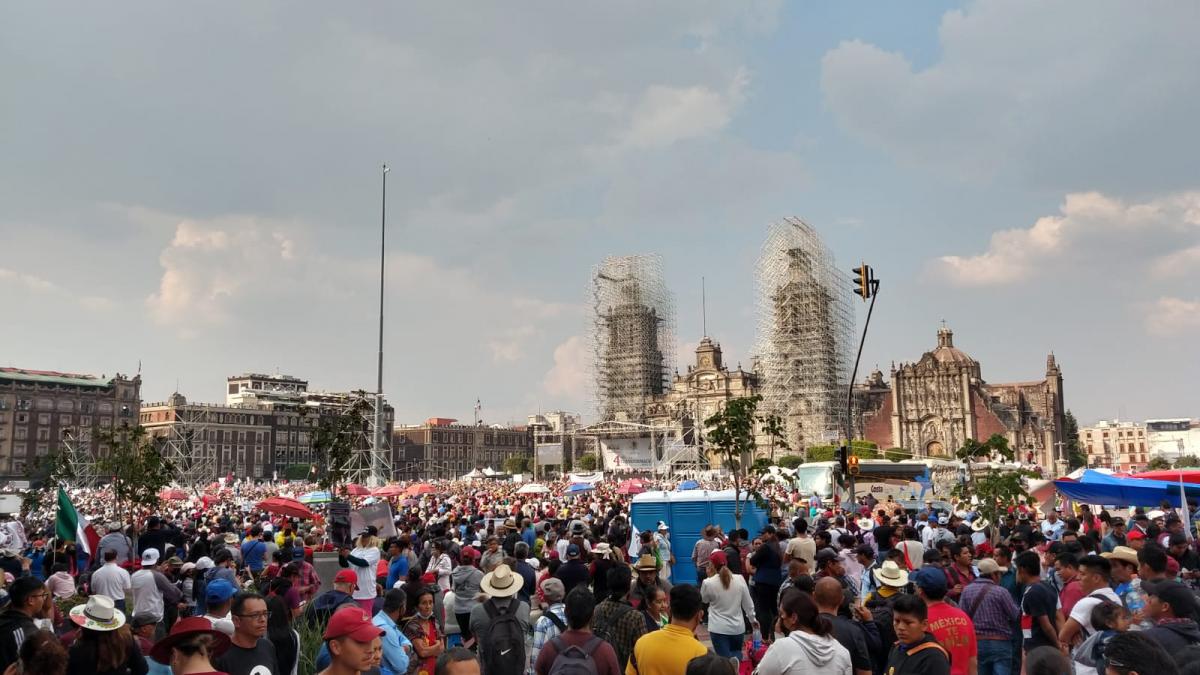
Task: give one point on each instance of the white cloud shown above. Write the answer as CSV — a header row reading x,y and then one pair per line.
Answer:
x,y
209,264
36,284
510,346
1092,228
570,376
665,114
1070,94
1168,316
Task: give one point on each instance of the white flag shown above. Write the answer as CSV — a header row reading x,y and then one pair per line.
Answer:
x,y
635,542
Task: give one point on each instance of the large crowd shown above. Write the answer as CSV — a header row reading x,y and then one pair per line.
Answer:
x,y
479,578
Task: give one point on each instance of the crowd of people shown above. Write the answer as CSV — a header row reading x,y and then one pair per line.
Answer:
x,y
474,577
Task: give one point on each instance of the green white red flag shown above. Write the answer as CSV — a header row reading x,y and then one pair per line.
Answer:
x,y
71,525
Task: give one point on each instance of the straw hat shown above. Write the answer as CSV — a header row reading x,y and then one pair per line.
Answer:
x,y
1122,553
646,563
501,582
603,549
980,524
890,574
99,613
865,523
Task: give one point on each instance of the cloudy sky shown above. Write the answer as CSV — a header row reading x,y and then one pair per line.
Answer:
x,y
198,189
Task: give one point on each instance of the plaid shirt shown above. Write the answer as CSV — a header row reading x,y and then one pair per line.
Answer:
x,y
996,612
545,631
625,632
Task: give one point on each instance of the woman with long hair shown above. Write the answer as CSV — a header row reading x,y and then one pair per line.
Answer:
x,y
281,634
421,629
729,606
41,654
190,647
809,645
105,645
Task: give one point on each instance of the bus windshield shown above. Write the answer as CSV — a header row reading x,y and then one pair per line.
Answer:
x,y
818,479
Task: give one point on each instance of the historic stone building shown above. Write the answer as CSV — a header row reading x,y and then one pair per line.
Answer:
x,y
700,392
932,406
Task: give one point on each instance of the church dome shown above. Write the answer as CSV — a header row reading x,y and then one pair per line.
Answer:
x,y
946,352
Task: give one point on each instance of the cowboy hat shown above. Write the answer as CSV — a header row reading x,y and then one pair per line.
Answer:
x,y
501,582
187,628
891,575
1122,553
865,523
99,613
603,549
980,524
646,563
231,539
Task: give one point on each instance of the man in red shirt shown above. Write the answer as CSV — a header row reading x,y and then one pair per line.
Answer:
x,y
1067,566
949,625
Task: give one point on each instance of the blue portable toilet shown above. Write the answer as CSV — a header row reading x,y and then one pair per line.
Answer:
x,y
687,514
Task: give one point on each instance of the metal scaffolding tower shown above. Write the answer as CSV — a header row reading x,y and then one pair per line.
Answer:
x,y
633,335
80,455
370,461
804,346
190,443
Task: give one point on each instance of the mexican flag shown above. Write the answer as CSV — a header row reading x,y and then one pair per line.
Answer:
x,y
73,526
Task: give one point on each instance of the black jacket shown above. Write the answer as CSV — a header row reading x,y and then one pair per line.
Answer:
x,y
926,657
15,627
1175,636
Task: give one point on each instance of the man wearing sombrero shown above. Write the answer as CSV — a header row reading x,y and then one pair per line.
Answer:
x,y
501,586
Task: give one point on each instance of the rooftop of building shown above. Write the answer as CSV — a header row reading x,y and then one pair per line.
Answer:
x,y
260,376
946,352
53,377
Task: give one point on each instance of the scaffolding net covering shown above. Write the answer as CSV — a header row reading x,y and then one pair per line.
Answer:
x,y
804,334
633,335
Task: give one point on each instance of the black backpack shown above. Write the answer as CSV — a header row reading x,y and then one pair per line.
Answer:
x,y
573,660
607,630
505,653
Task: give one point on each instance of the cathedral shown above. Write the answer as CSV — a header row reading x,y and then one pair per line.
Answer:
x,y
700,392
932,406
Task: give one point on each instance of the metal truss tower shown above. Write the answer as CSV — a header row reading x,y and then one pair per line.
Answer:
x,y
190,444
80,455
370,461
633,335
804,345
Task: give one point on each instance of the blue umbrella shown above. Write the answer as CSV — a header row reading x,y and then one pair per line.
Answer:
x,y
687,485
317,497
577,488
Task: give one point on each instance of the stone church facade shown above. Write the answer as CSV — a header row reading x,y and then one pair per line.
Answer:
x,y
931,407
699,393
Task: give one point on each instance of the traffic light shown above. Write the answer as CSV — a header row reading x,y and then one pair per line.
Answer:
x,y
862,281
842,456
853,463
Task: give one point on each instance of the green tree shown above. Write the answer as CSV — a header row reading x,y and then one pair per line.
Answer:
x,y
135,469
821,453
336,438
790,461
896,454
1076,457
772,426
731,439
1187,461
587,463
515,465
995,490
1157,464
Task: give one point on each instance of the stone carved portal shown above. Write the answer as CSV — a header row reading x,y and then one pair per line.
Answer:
x,y
934,449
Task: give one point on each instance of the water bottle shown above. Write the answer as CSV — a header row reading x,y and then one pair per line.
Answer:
x,y
756,641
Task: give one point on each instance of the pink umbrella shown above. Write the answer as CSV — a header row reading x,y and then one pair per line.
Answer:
x,y
357,490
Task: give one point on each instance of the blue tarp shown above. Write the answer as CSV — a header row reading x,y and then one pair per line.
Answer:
x,y
1094,487
577,488
687,485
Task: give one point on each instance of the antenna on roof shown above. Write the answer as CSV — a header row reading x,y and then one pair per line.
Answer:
x,y
703,310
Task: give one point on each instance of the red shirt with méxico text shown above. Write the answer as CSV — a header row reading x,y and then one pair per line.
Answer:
x,y
955,631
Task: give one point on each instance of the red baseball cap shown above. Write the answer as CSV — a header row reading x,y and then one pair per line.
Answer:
x,y
718,558
354,623
429,578
346,577
1136,534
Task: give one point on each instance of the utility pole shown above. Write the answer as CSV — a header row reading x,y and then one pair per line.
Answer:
x,y
866,286
377,440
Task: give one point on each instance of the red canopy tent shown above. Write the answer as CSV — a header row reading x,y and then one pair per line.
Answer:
x,y
357,490
1172,475
388,491
420,489
172,493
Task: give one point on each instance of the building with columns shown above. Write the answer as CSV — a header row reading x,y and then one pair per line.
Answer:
x,y
932,406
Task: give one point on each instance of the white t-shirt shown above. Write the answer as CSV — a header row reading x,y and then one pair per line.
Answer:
x,y
221,623
1082,611
366,575
111,580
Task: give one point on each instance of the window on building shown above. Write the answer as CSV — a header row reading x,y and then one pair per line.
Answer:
x,y
20,433
22,418
19,449
44,418
43,449
105,422
64,420
65,405
85,420
45,404
106,407
19,467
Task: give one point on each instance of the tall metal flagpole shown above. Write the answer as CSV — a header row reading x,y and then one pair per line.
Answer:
x,y
377,441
